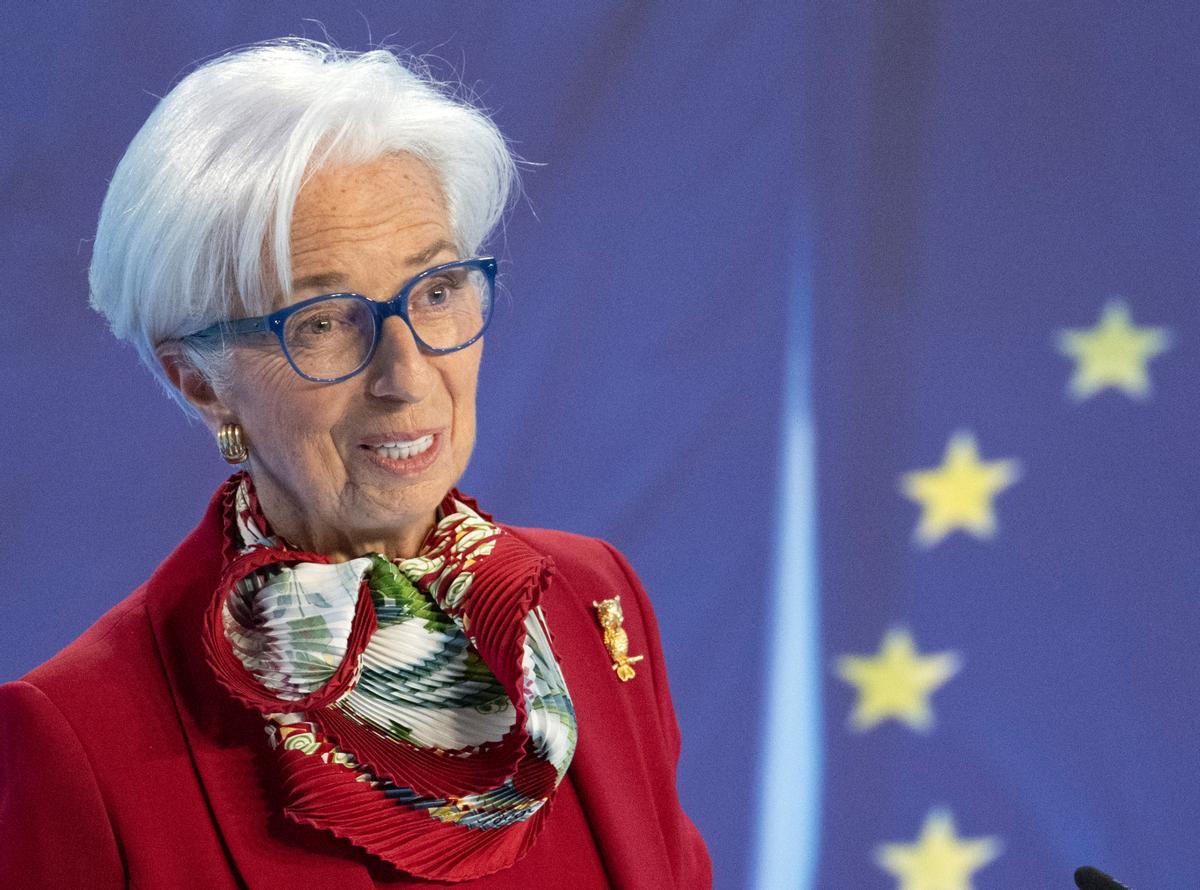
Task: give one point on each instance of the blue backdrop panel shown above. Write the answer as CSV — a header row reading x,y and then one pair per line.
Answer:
x,y
984,181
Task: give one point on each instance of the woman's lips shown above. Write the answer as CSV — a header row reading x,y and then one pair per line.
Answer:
x,y
405,454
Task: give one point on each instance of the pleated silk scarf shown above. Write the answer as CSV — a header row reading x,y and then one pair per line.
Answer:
x,y
416,707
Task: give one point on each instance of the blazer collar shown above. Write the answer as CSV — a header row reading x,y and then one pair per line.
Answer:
x,y
227,741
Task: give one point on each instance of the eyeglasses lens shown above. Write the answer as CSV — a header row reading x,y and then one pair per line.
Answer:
x,y
332,338
449,308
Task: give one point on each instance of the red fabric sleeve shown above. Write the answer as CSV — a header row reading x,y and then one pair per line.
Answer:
x,y
54,829
689,855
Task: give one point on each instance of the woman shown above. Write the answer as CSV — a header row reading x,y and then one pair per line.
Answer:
x,y
347,675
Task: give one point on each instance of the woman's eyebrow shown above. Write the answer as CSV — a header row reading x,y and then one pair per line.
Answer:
x,y
439,246
327,280
321,280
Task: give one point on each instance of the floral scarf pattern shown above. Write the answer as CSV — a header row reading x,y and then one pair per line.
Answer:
x,y
416,707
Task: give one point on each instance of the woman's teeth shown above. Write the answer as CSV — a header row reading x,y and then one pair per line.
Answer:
x,y
405,450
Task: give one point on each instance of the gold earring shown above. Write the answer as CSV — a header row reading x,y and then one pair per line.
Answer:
x,y
229,440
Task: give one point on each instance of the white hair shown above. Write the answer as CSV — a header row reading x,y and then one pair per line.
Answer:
x,y
197,219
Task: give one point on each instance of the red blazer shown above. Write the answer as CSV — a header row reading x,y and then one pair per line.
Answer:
x,y
124,764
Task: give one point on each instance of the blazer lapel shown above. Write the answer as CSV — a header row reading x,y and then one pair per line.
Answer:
x,y
610,759
227,741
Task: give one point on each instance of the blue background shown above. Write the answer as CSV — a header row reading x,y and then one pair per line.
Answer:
x,y
767,262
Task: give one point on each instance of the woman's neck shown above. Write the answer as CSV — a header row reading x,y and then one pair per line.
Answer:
x,y
307,530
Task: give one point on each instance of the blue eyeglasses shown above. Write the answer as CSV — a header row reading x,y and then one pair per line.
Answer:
x,y
331,338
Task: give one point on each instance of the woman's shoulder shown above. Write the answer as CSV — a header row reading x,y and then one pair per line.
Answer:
x,y
554,541
119,664
118,641
581,560
111,661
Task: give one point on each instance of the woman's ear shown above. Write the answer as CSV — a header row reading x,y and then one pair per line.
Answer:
x,y
194,386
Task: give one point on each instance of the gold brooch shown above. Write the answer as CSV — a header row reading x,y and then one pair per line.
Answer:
x,y
615,638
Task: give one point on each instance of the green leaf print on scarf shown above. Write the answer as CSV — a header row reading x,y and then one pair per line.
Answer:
x,y
397,599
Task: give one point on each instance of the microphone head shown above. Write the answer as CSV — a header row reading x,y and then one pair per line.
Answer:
x,y
1088,878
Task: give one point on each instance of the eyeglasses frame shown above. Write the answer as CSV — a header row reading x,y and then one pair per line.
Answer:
x,y
380,310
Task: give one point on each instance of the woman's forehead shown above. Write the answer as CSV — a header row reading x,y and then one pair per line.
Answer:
x,y
437,251
384,218
391,193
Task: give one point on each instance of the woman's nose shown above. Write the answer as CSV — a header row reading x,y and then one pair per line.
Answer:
x,y
400,369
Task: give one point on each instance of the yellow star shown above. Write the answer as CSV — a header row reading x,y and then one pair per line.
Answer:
x,y
939,860
1112,354
958,494
896,683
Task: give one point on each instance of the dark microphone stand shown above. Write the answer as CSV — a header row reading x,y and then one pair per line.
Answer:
x,y
1088,878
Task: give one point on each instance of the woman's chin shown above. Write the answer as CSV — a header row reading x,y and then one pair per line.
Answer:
x,y
402,495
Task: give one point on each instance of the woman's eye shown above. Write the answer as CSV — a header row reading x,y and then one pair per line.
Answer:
x,y
320,324
434,295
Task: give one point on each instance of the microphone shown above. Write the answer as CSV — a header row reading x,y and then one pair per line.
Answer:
x,y
1088,878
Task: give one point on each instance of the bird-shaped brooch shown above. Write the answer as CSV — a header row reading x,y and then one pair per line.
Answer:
x,y
615,639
